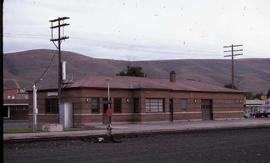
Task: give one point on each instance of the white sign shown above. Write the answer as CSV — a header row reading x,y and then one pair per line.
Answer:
x,y
52,94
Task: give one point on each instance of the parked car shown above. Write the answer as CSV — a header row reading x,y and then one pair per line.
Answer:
x,y
248,114
268,111
261,114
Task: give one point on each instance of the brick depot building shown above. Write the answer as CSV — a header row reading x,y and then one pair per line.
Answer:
x,y
15,104
137,99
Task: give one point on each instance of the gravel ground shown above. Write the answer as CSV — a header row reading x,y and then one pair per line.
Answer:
x,y
245,145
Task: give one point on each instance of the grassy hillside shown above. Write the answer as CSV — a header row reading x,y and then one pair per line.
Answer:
x,y
251,74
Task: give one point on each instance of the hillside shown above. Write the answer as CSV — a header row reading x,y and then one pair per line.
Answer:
x,y
252,75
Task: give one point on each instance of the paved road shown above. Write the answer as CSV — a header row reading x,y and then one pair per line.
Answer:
x,y
245,145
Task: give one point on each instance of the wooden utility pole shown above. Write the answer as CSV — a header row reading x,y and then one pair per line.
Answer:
x,y
233,55
60,25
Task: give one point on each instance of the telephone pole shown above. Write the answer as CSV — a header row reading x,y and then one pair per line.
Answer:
x,y
59,24
233,55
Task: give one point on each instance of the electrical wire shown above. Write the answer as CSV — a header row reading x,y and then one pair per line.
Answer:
x,y
46,69
14,35
190,51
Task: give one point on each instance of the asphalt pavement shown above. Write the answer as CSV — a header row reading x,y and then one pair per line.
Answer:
x,y
131,130
217,146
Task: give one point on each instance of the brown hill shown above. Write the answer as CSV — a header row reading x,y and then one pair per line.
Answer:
x,y
252,75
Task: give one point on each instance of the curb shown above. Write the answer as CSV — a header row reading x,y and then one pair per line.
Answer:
x,y
92,137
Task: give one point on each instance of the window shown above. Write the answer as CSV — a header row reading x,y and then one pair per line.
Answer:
x,y
105,104
136,105
6,112
95,105
52,106
117,105
12,107
18,107
183,104
154,105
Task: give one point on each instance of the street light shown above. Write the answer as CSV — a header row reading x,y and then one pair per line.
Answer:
x,y
35,109
108,82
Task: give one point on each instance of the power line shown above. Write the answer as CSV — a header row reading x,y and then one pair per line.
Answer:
x,y
59,24
46,69
39,36
232,56
20,35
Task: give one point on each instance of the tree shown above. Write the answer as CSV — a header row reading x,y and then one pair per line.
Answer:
x,y
132,71
249,95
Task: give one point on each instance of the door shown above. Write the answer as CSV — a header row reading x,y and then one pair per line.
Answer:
x,y
66,114
171,110
136,105
207,110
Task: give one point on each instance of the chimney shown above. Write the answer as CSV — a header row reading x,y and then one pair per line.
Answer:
x,y
172,76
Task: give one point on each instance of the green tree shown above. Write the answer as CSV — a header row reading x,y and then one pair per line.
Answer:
x,y
249,95
258,95
132,71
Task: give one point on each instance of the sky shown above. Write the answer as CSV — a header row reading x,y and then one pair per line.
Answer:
x,y
141,29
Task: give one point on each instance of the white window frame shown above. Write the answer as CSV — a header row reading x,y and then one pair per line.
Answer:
x,y
181,104
97,105
154,105
8,113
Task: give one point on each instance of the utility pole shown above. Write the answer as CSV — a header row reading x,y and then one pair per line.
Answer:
x,y
60,24
233,55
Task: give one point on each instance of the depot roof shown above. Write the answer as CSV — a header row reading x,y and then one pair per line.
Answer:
x,y
127,82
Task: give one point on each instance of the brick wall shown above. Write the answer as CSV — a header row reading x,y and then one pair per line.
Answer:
x,y
225,105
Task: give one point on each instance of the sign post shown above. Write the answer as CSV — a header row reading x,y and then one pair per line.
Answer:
x,y
109,115
109,110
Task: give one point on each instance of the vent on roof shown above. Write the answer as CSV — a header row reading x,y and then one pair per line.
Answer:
x,y
172,76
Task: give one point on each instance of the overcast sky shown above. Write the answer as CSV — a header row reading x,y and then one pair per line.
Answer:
x,y
142,29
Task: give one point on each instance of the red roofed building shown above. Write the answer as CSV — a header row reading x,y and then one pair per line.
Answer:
x,y
15,101
136,99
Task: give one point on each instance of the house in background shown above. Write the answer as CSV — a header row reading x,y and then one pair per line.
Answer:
x,y
15,101
262,104
267,105
138,99
253,105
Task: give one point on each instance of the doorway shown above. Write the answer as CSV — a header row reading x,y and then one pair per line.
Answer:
x,y
171,110
207,109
